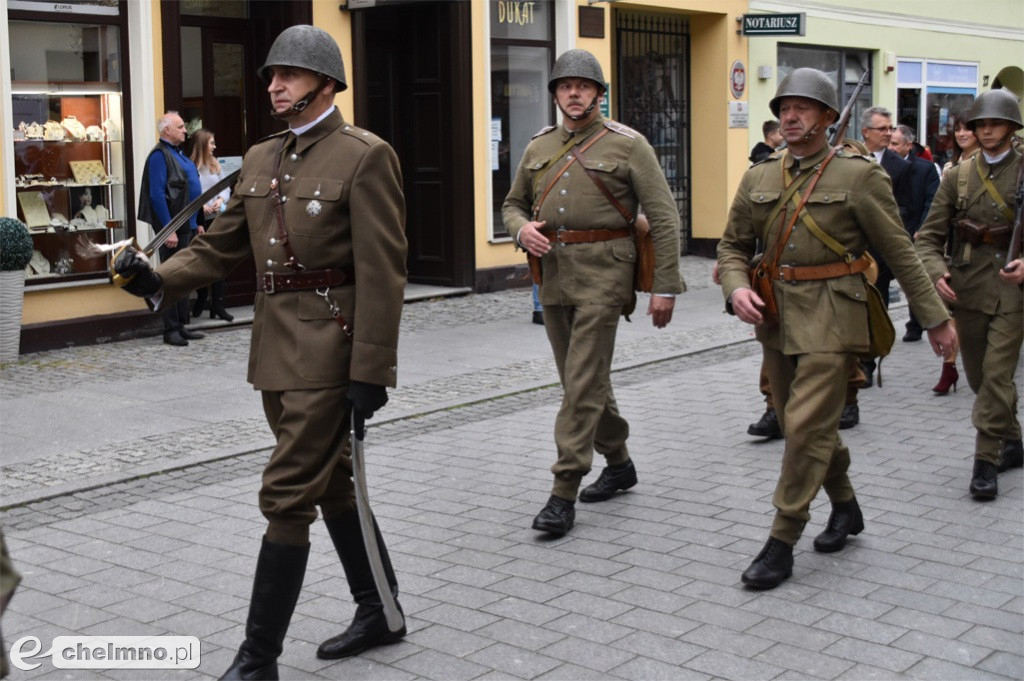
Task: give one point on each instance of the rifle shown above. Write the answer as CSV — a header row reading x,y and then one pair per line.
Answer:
x,y
844,118
1018,219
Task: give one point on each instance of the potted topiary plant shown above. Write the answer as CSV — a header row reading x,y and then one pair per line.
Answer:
x,y
15,253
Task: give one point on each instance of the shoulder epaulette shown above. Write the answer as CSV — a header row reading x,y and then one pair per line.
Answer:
x,y
543,131
774,156
615,126
270,137
359,133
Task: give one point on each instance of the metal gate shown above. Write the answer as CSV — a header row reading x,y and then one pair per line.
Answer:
x,y
653,84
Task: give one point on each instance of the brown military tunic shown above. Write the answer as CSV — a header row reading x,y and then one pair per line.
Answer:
x,y
821,322
989,311
343,208
585,285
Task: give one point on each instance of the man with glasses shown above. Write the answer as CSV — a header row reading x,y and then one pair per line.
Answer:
x,y
877,128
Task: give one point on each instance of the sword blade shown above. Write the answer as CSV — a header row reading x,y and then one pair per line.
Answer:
x,y
182,217
391,613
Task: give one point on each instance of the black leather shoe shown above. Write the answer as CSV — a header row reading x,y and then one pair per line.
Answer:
x,y
190,335
850,417
771,567
538,317
612,479
844,520
983,483
767,427
174,338
556,517
911,335
1012,455
369,629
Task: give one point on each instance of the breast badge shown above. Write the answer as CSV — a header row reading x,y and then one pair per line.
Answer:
x,y
313,208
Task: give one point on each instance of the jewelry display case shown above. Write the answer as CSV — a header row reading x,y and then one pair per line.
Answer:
x,y
70,155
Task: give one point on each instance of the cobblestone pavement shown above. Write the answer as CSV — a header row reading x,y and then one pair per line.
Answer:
x,y
646,586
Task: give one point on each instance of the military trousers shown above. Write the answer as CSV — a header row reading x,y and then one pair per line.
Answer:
x,y
809,392
991,352
310,465
856,380
582,338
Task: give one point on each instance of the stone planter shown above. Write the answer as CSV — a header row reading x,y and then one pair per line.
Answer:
x,y
12,295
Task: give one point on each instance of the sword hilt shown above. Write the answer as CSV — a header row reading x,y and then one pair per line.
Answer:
x,y
115,278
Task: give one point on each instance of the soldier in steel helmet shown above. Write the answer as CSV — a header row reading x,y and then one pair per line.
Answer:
x,y
821,297
586,252
320,210
974,209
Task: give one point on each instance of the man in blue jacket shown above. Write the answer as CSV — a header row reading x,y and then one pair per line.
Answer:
x,y
169,182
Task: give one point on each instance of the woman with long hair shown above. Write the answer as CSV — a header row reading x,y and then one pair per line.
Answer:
x,y
965,145
210,173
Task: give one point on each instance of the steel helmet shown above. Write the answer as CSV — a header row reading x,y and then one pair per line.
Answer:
x,y
809,83
306,47
576,64
1001,104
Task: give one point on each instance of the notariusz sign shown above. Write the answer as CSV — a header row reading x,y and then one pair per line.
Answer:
x,y
775,24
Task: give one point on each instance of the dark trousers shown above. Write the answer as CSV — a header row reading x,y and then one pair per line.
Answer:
x,y
175,315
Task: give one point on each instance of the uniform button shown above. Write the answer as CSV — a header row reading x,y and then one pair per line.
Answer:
x,y
287,177
857,295
564,192
294,157
826,198
761,197
792,247
568,157
999,256
365,134
565,174
270,263
348,127
273,241
283,199
562,209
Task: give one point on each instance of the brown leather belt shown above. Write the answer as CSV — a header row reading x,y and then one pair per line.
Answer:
x,y
584,236
277,282
813,272
1000,238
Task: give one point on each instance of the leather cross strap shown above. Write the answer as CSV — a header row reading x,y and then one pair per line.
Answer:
x,y
584,236
813,272
554,179
298,279
278,282
623,211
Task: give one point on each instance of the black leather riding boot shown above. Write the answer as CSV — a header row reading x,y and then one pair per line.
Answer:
x,y
275,590
369,627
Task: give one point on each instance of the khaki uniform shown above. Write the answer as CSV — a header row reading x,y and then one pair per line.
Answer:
x,y
343,208
585,285
989,311
821,322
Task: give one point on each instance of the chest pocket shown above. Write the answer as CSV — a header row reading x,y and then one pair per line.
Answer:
x,y
259,210
762,202
316,207
604,169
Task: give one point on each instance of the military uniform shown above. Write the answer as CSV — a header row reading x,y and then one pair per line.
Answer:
x,y
586,285
989,311
821,321
343,208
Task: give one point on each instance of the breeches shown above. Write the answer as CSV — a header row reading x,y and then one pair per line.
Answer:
x,y
583,341
991,352
310,465
809,392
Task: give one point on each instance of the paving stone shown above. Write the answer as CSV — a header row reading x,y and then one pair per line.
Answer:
x,y
587,654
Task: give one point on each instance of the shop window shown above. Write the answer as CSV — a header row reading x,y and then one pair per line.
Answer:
x,y
522,51
70,152
930,94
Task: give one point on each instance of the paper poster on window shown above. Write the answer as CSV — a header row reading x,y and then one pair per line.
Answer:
x,y
496,129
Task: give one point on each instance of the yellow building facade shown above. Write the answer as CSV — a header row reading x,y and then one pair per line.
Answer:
x,y
458,87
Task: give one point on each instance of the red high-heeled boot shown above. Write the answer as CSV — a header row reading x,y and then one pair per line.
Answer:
x,y
949,377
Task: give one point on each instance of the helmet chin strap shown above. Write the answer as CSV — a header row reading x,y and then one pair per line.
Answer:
x,y
583,115
300,106
816,127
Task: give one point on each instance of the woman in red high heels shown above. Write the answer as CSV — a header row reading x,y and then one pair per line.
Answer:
x,y
965,145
